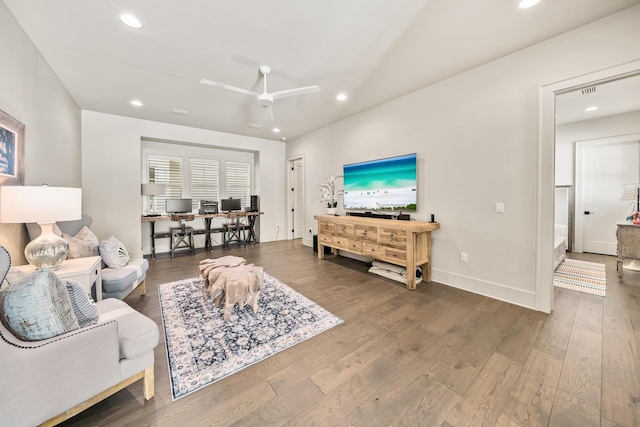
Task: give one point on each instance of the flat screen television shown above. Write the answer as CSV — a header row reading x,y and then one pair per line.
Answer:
x,y
228,205
179,205
383,184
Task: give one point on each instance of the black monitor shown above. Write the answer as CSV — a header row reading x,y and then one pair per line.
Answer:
x,y
228,205
179,205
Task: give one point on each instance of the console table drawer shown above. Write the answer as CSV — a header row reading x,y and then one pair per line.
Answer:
x,y
392,236
326,227
373,250
395,254
325,239
344,230
355,246
341,242
367,233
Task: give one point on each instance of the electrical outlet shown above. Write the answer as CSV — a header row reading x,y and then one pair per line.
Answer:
x,y
463,257
500,207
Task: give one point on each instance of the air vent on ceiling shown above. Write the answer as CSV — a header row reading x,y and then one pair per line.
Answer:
x,y
178,111
588,90
255,126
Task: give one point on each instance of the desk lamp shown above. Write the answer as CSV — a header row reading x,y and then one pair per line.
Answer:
x,y
44,205
152,190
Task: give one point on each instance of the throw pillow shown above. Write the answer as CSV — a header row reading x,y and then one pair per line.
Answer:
x,y
37,307
82,304
113,253
83,244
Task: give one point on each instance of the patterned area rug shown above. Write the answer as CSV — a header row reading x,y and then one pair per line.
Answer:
x,y
581,276
202,348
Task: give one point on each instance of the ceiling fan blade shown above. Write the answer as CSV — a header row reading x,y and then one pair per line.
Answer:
x,y
294,92
224,86
268,113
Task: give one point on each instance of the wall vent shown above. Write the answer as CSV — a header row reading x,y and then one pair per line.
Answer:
x,y
588,90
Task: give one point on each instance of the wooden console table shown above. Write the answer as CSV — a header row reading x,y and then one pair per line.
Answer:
x,y
405,243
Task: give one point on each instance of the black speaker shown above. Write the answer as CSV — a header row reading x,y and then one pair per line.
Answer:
x,y
255,204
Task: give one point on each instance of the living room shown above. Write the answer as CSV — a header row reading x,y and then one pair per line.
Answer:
x,y
477,134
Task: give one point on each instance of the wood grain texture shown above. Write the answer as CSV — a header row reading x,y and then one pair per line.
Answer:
x,y
390,362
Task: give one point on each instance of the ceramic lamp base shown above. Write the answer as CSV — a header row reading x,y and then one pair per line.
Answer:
x,y
46,250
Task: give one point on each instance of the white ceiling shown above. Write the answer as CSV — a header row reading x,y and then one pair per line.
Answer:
x,y
372,50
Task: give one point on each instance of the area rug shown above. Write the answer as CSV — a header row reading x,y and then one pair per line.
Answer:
x,y
202,348
583,276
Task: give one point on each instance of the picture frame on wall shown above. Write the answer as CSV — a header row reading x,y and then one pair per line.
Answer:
x,y
11,150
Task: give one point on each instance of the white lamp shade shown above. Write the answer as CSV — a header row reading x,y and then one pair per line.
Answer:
x,y
154,189
26,204
630,192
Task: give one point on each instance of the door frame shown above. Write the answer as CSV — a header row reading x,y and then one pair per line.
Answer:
x,y
579,178
546,171
290,203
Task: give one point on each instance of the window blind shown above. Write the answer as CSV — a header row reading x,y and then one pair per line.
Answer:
x,y
167,171
238,182
205,180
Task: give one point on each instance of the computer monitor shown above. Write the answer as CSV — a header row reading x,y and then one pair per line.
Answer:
x,y
179,205
228,205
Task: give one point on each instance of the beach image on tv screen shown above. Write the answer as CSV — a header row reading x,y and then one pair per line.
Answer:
x,y
381,184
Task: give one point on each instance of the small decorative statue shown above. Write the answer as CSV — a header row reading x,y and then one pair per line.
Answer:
x,y
330,195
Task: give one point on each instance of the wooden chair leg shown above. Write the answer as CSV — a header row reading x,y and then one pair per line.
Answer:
x,y
148,386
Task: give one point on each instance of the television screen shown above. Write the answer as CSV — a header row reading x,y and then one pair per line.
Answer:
x,y
179,205
228,205
384,184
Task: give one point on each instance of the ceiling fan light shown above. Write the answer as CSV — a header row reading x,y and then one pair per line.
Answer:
x,y
130,21
525,4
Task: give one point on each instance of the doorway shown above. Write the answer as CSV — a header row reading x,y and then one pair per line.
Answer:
x,y
546,168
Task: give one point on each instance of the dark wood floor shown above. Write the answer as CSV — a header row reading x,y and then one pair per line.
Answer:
x,y
437,356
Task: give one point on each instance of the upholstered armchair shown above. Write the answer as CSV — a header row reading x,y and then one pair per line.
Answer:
x,y
50,380
116,282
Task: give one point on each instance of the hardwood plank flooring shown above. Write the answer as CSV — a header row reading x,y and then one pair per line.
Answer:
x,y
437,356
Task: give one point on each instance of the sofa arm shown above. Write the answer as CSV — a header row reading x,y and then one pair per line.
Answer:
x,y
44,378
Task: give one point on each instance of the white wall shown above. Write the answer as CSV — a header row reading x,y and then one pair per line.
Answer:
x,y
31,93
111,172
476,136
568,134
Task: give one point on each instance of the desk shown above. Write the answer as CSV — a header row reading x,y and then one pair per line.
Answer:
x,y
251,222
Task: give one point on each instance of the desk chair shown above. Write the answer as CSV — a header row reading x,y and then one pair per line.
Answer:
x,y
234,229
182,237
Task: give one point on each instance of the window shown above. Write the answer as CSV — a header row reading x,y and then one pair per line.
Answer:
x,y
205,180
238,181
166,170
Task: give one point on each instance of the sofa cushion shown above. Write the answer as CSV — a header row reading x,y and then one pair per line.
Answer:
x,y
84,308
113,253
118,279
83,244
137,334
37,307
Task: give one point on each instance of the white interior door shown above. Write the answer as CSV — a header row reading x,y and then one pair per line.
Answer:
x,y
298,205
605,168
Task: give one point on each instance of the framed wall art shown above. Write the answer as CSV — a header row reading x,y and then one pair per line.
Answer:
x,y
11,150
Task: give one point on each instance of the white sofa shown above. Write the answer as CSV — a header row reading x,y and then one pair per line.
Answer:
x,y
51,380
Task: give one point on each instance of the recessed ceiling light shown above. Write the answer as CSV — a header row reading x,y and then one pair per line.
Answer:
x,y
594,108
341,97
284,138
276,130
130,21
136,103
525,4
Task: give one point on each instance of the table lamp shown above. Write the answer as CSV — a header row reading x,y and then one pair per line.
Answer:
x,y
44,205
152,190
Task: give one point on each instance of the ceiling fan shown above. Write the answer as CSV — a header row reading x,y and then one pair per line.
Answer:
x,y
265,99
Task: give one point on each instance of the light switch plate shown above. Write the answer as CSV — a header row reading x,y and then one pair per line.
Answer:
x,y
500,207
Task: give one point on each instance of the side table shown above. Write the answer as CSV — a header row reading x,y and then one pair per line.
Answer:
x,y
87,271
628,247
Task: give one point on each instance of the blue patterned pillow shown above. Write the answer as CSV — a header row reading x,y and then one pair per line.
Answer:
x,y
37,307
82,304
